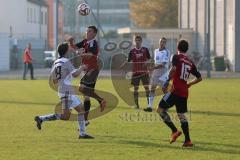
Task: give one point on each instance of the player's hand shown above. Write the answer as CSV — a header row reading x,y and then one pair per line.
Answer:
x,y
189,85
150,68
80,51
82,67
70,40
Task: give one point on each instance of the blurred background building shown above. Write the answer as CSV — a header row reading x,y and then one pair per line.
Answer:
x,y
34,21
224,24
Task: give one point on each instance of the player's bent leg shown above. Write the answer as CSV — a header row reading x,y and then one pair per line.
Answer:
x,y
88,90
49,117
66,115
167,102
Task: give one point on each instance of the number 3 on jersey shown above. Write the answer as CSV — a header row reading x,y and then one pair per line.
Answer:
x,y
185,72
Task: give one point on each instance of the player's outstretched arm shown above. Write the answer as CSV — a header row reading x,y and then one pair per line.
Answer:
x,y
78,71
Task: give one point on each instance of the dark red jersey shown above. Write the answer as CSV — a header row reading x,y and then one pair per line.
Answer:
x,y
184,67
92,47
138,57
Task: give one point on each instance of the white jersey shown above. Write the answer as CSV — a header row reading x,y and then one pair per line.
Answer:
x,y
162,56
159,76
62,72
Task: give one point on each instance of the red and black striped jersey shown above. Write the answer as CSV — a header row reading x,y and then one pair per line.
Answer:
x,y
90,47
138,57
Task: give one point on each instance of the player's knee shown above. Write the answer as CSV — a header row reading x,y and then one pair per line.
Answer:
x,y
135,93
182,117
81,88
65,117
135,89
80,109
160,110
86,98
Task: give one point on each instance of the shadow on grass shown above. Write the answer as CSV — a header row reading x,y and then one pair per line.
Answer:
x,y
27,103
192,112
211,113
208,146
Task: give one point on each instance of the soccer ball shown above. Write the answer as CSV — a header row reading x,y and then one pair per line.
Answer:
x,y
83,9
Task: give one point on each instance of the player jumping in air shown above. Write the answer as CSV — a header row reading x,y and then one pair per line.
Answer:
x,y
61,75
89,56
179,73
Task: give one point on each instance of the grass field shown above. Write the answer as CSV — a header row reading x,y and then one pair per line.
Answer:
x,y
214,126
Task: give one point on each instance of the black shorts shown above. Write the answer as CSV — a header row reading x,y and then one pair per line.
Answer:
x,y
170,100
140,77
90,78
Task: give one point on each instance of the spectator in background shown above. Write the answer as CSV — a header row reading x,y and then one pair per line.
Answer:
x,y
27,59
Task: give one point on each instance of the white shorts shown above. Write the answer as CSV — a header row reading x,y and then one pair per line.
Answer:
x,y
159,77
70,102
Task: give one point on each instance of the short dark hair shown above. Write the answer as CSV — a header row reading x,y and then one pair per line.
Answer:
x,y
164,38
138,37
62,49
183,46
94,28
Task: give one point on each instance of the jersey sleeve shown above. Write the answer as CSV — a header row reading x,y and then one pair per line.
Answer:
x,y
174,60
195,72
80,44
130,56
93,47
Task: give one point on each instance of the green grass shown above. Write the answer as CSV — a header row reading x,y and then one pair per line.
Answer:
x,y
214,107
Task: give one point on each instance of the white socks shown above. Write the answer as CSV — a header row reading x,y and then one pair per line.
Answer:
x,y
50,117
81,124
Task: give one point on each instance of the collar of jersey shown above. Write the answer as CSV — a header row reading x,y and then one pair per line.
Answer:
x,y
90,40
138,49
161,49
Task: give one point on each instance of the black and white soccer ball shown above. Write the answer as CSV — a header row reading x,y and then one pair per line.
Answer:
x,y
83,9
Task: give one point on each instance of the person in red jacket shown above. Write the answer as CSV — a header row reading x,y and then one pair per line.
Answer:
x,y
27,59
